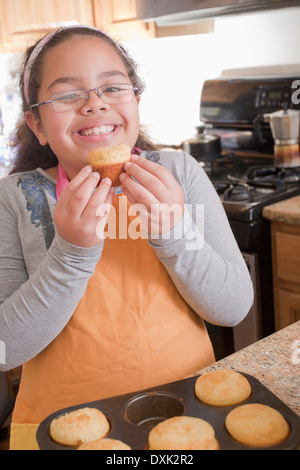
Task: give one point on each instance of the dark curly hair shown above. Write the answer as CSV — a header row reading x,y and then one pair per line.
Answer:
x,y
29,153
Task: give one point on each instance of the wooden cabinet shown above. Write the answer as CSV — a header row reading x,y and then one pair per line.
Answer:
x,y
286,273
23,21
289,307
118,18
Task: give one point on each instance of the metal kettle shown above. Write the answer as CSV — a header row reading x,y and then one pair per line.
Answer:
x,y
203,146
285,128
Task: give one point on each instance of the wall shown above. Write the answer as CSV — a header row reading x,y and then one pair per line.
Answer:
x,y
174,69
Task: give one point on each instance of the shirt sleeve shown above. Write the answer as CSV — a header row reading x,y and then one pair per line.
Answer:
x,y
201,254
34,309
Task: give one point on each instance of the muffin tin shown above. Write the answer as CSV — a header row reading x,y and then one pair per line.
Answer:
x,y
133,415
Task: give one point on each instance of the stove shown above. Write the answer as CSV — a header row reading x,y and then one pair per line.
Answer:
x,y
245,187
246,180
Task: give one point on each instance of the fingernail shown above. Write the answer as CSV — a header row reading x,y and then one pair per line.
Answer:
x,y
89,169
134,158
127,166
96,174
106,181
122,176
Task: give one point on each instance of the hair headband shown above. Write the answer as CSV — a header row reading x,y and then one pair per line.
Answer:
x,y
41,44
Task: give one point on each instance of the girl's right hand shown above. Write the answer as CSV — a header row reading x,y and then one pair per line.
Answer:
x,y
75,215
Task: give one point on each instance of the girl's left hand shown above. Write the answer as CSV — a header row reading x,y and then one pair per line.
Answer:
x,y
155,195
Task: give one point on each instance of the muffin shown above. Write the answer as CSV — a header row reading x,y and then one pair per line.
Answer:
x,y
257,425
79,426
223,387
104,444
109,162
183,433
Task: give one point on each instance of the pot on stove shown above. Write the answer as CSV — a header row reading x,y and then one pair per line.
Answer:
x,y
285,128
203,146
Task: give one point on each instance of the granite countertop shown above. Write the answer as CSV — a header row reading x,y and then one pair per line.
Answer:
x,y
287,211
274,361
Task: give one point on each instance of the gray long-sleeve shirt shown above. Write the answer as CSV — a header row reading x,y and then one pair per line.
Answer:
x,y
43,277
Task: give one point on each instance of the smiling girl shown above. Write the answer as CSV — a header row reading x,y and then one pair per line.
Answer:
x,y
88,317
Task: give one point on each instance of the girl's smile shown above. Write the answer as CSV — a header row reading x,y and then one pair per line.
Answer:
x,y
97,131
83,63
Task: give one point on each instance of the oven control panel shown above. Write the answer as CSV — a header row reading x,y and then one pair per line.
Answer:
x,y
274,98
229,101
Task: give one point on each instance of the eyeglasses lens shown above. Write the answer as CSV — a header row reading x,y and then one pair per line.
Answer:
x,y
74,99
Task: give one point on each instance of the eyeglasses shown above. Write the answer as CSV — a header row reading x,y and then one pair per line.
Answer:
x,y
114,93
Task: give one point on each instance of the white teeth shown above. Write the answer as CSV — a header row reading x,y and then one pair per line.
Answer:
x,y
98,130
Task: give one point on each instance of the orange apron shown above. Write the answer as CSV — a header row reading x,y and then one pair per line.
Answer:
x,y
131,330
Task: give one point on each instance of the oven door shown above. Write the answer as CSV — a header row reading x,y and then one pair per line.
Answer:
x,y
5,403
227,340
250,329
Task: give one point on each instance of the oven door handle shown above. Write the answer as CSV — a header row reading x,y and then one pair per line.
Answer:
x,y
257,125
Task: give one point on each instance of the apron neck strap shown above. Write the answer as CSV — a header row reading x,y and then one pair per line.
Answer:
x,y
62,181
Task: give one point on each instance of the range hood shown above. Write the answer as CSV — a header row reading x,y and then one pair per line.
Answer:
x,y
172,12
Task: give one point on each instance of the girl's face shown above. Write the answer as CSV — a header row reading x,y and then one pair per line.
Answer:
x,y
85,63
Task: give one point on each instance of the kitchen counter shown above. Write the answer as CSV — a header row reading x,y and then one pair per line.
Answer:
x,y
287,211
274,361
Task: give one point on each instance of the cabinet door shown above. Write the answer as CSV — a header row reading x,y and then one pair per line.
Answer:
x,y
287,311
118,18
23,21
288,256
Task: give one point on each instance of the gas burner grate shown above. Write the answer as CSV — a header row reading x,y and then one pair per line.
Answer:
x,y
269,173
290,175
252,191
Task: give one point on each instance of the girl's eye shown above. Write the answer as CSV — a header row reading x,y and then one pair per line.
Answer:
x,y
111,89
70,96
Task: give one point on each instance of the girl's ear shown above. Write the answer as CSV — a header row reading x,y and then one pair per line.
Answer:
x,y
35,125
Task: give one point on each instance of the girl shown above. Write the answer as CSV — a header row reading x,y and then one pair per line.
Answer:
x,y
87,314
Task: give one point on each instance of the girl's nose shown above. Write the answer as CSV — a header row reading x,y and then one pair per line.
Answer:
x,y
94,103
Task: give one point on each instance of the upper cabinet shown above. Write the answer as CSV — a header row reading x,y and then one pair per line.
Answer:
x,y
23,21
118,18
